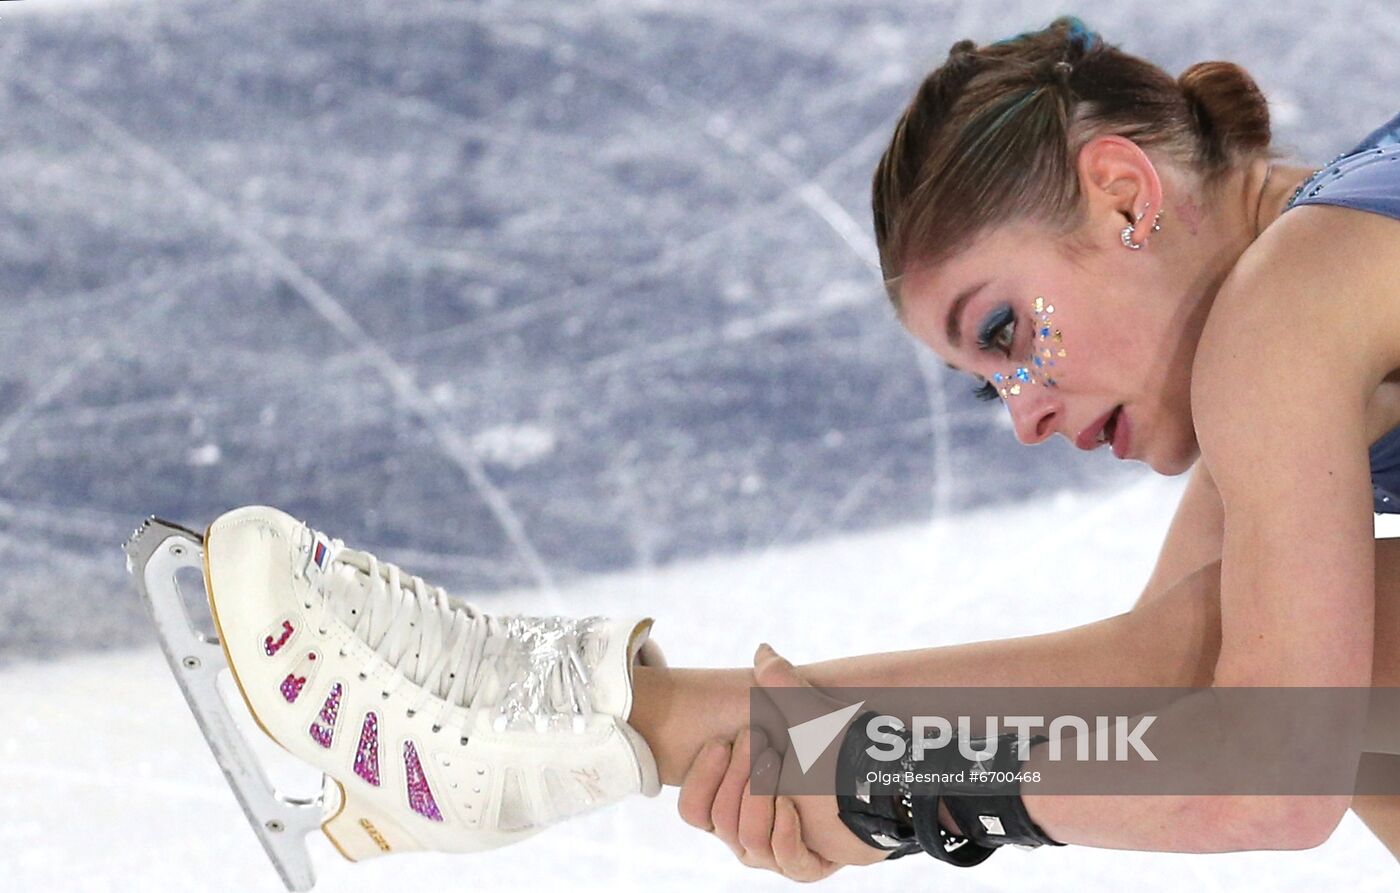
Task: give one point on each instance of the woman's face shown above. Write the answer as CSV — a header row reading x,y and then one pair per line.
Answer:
x,y
1111,329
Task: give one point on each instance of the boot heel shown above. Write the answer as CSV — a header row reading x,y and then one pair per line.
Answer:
x,y
361,832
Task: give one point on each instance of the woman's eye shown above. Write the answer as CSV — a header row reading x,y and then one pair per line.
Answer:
x,y
998,331
985,391
1006,337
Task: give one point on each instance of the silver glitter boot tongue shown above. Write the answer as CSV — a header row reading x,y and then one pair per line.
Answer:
x,y
532,670
553,667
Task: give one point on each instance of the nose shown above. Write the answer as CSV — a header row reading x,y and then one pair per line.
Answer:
x,y
1033,416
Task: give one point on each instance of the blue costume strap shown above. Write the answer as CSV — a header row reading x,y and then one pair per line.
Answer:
x,y
1367,178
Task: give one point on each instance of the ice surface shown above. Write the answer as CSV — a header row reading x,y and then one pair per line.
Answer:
x,y
536,290
105,783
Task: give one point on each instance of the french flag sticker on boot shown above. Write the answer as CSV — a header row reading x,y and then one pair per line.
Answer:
x,y
319,553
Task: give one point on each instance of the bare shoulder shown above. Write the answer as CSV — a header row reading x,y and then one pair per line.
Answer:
x,y
1330,262
1301,333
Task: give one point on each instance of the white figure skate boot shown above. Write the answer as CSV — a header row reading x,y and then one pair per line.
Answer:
x,y
438,727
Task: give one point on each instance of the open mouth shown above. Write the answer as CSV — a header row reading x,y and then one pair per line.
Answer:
x,y
1110,427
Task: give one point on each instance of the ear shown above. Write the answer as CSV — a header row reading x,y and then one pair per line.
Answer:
x,y
1120,185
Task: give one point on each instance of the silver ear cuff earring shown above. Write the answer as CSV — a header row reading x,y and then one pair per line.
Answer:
x,y
1130,230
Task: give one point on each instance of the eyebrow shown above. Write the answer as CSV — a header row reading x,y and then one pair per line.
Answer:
x,y
952,327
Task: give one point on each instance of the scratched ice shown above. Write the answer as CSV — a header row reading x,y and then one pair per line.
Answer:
x,y
561,305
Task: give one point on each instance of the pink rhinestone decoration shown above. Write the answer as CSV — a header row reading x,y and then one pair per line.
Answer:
x,y
298,678
323,726
367,755
272,646
420,796
291,686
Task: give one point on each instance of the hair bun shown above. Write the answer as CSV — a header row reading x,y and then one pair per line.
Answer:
x,y
1230,113
963,47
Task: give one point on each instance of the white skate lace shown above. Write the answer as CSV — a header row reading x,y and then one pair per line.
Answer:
x,y
526,670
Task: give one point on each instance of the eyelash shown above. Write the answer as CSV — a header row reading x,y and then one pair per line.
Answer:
x,y
989,338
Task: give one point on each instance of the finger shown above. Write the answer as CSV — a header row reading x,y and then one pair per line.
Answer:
x,y
724,812
702,781
772,670
790,852
775,671
797,700
756,812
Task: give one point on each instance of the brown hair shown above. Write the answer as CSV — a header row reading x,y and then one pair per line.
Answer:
x,y
992,136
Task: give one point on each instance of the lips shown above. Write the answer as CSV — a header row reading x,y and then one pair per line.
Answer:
x,y
1121,435
1088,439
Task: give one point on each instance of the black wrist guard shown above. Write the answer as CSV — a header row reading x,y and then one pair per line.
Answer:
x,y
885,816
901,814
983,796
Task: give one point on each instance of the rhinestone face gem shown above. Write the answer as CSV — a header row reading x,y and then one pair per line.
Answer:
x,y
322,729
1041,359
420,796
367,754
277,637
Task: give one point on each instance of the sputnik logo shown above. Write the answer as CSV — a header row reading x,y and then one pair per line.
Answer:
x,y
810,739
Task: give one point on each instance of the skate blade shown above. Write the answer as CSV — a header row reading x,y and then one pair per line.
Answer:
x,y
155,554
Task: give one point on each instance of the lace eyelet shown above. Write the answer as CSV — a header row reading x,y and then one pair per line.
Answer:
x,y
436,728
363,676
410,713
462,742
384,695
321,631
343,652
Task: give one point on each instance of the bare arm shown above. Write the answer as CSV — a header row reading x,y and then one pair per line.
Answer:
x,y
1194,540
1170,638
1194,537
714,796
